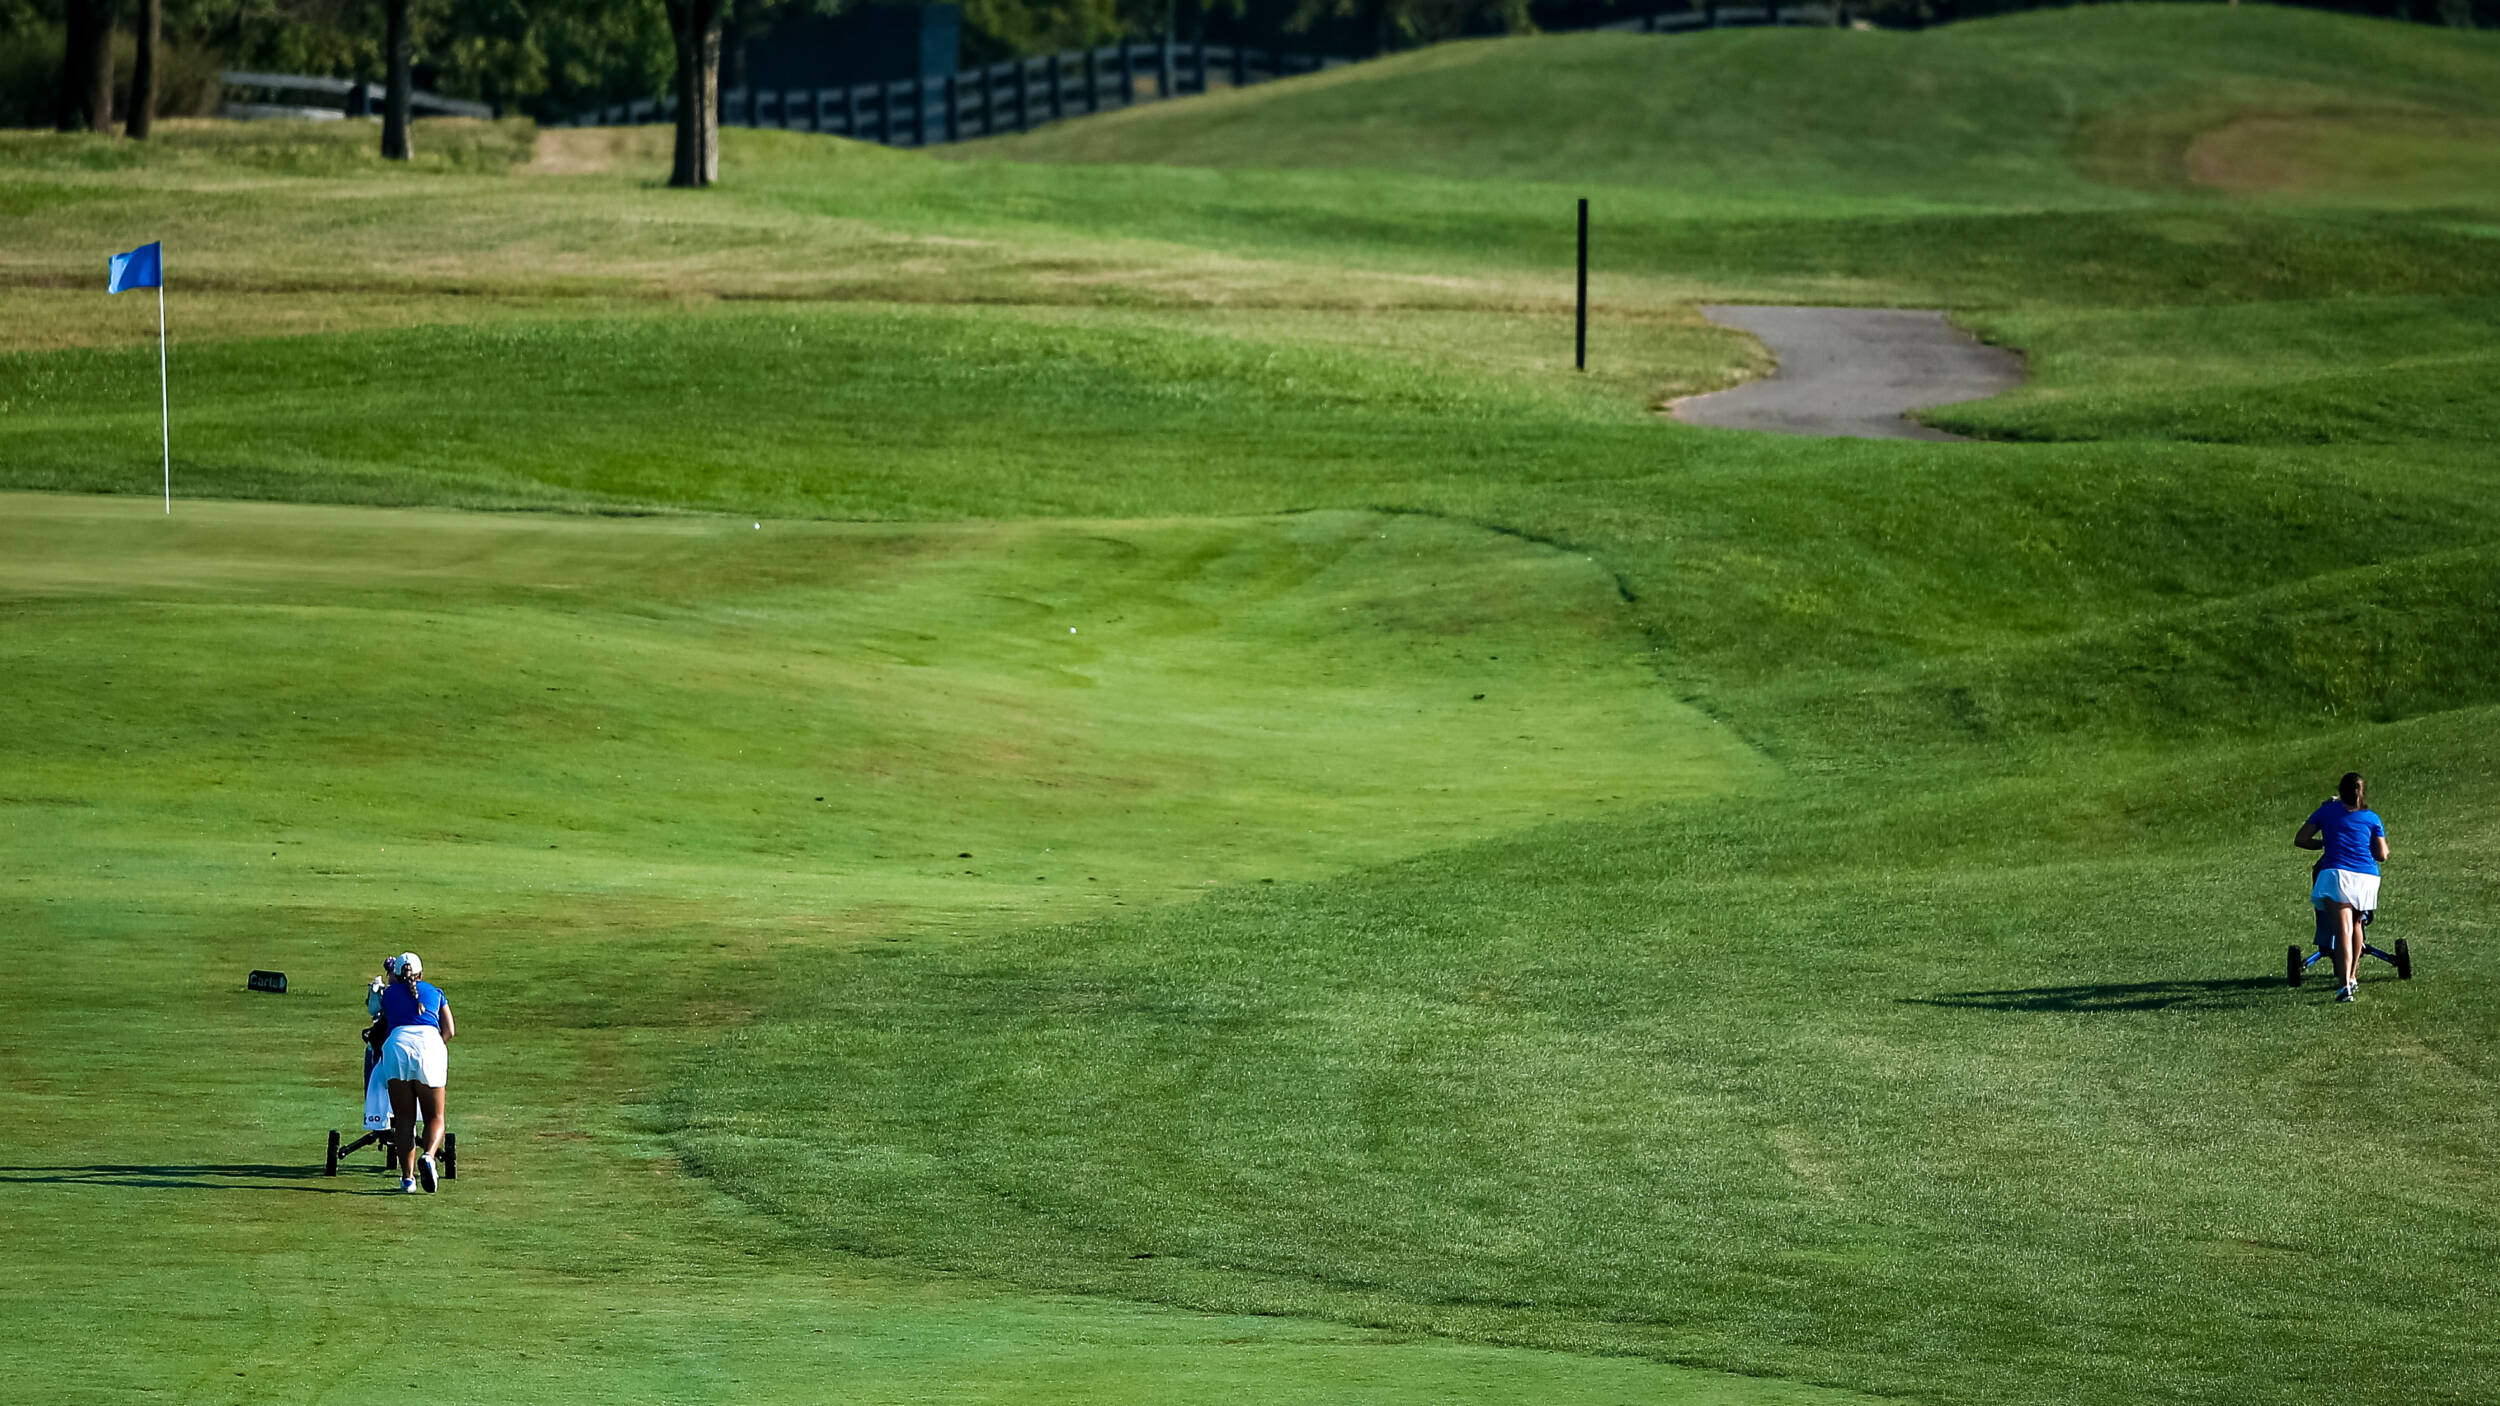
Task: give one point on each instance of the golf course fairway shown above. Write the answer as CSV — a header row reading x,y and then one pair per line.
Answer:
x,y
1080,769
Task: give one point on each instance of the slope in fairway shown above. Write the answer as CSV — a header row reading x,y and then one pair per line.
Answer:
x,y
577,763
1936,1093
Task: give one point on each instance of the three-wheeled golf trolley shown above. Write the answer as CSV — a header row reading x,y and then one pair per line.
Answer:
x,y
2295,965
382,1139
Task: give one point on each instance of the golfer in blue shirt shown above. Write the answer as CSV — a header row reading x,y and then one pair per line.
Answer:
x,y
416,1019
2355,844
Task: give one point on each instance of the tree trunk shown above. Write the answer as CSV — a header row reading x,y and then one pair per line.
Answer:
x,y
74,22
143,69
87,67
396,88
695,27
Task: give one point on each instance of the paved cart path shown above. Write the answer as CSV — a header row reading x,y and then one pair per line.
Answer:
x,y
1852,371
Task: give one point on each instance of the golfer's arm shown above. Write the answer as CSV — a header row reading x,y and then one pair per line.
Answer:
x,y
446,1020
2378,848
2307,837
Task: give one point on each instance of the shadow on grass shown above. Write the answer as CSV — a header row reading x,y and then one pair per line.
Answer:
x,y
2116,996
197,1177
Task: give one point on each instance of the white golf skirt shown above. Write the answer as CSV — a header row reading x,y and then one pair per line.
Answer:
x,y
414,1053
2344,886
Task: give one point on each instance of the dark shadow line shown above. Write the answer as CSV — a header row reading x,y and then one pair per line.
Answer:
x,y
198,1177
2107,997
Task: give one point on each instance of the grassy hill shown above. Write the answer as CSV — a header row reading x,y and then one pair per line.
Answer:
x,y
2105,104
1040,781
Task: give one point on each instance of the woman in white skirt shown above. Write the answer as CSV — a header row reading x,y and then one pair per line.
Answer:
x,y
416,1020
2345,886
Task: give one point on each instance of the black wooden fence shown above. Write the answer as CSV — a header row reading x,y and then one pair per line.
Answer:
x,y
1014,96
301,96
1021,94
1711,15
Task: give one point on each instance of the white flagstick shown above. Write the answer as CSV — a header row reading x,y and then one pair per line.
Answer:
x,y
164,400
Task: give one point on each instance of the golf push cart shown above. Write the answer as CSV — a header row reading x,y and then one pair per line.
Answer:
x,y
382,1139
2295,965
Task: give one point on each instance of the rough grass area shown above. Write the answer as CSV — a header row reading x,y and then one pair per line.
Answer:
x,y
1157,802
201,146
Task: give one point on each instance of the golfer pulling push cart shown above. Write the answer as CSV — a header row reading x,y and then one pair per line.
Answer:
x,y
2352,842
406,1071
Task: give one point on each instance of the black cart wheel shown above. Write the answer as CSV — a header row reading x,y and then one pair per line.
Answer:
x,y
330,1167
451,1156
2291,966
2404,961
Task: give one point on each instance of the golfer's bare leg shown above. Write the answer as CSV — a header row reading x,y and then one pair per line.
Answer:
x,y
2347,946
432,1099
404,1126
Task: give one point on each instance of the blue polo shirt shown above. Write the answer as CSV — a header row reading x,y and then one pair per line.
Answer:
x,y
2348,833
399,1008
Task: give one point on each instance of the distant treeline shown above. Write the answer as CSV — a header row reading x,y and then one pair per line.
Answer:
x,y
552,58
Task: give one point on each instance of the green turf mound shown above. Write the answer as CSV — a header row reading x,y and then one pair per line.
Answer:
x,y
2053,105
2349,370
2376,643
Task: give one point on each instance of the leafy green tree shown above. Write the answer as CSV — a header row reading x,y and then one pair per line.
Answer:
x,y
698,30
1398,24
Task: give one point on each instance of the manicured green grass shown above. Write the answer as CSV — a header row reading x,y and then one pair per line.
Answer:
x,y
1840,946
848,411
1936,1094
609,777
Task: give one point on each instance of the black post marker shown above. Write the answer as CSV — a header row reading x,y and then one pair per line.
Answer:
x,y
1580,340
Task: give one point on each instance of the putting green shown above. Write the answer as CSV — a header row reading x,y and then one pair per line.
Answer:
x,y
578,764
844,716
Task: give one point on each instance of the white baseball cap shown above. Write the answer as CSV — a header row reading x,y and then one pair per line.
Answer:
x,y
408,963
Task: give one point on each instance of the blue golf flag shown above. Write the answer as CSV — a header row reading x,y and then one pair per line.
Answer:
x,y
143,267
